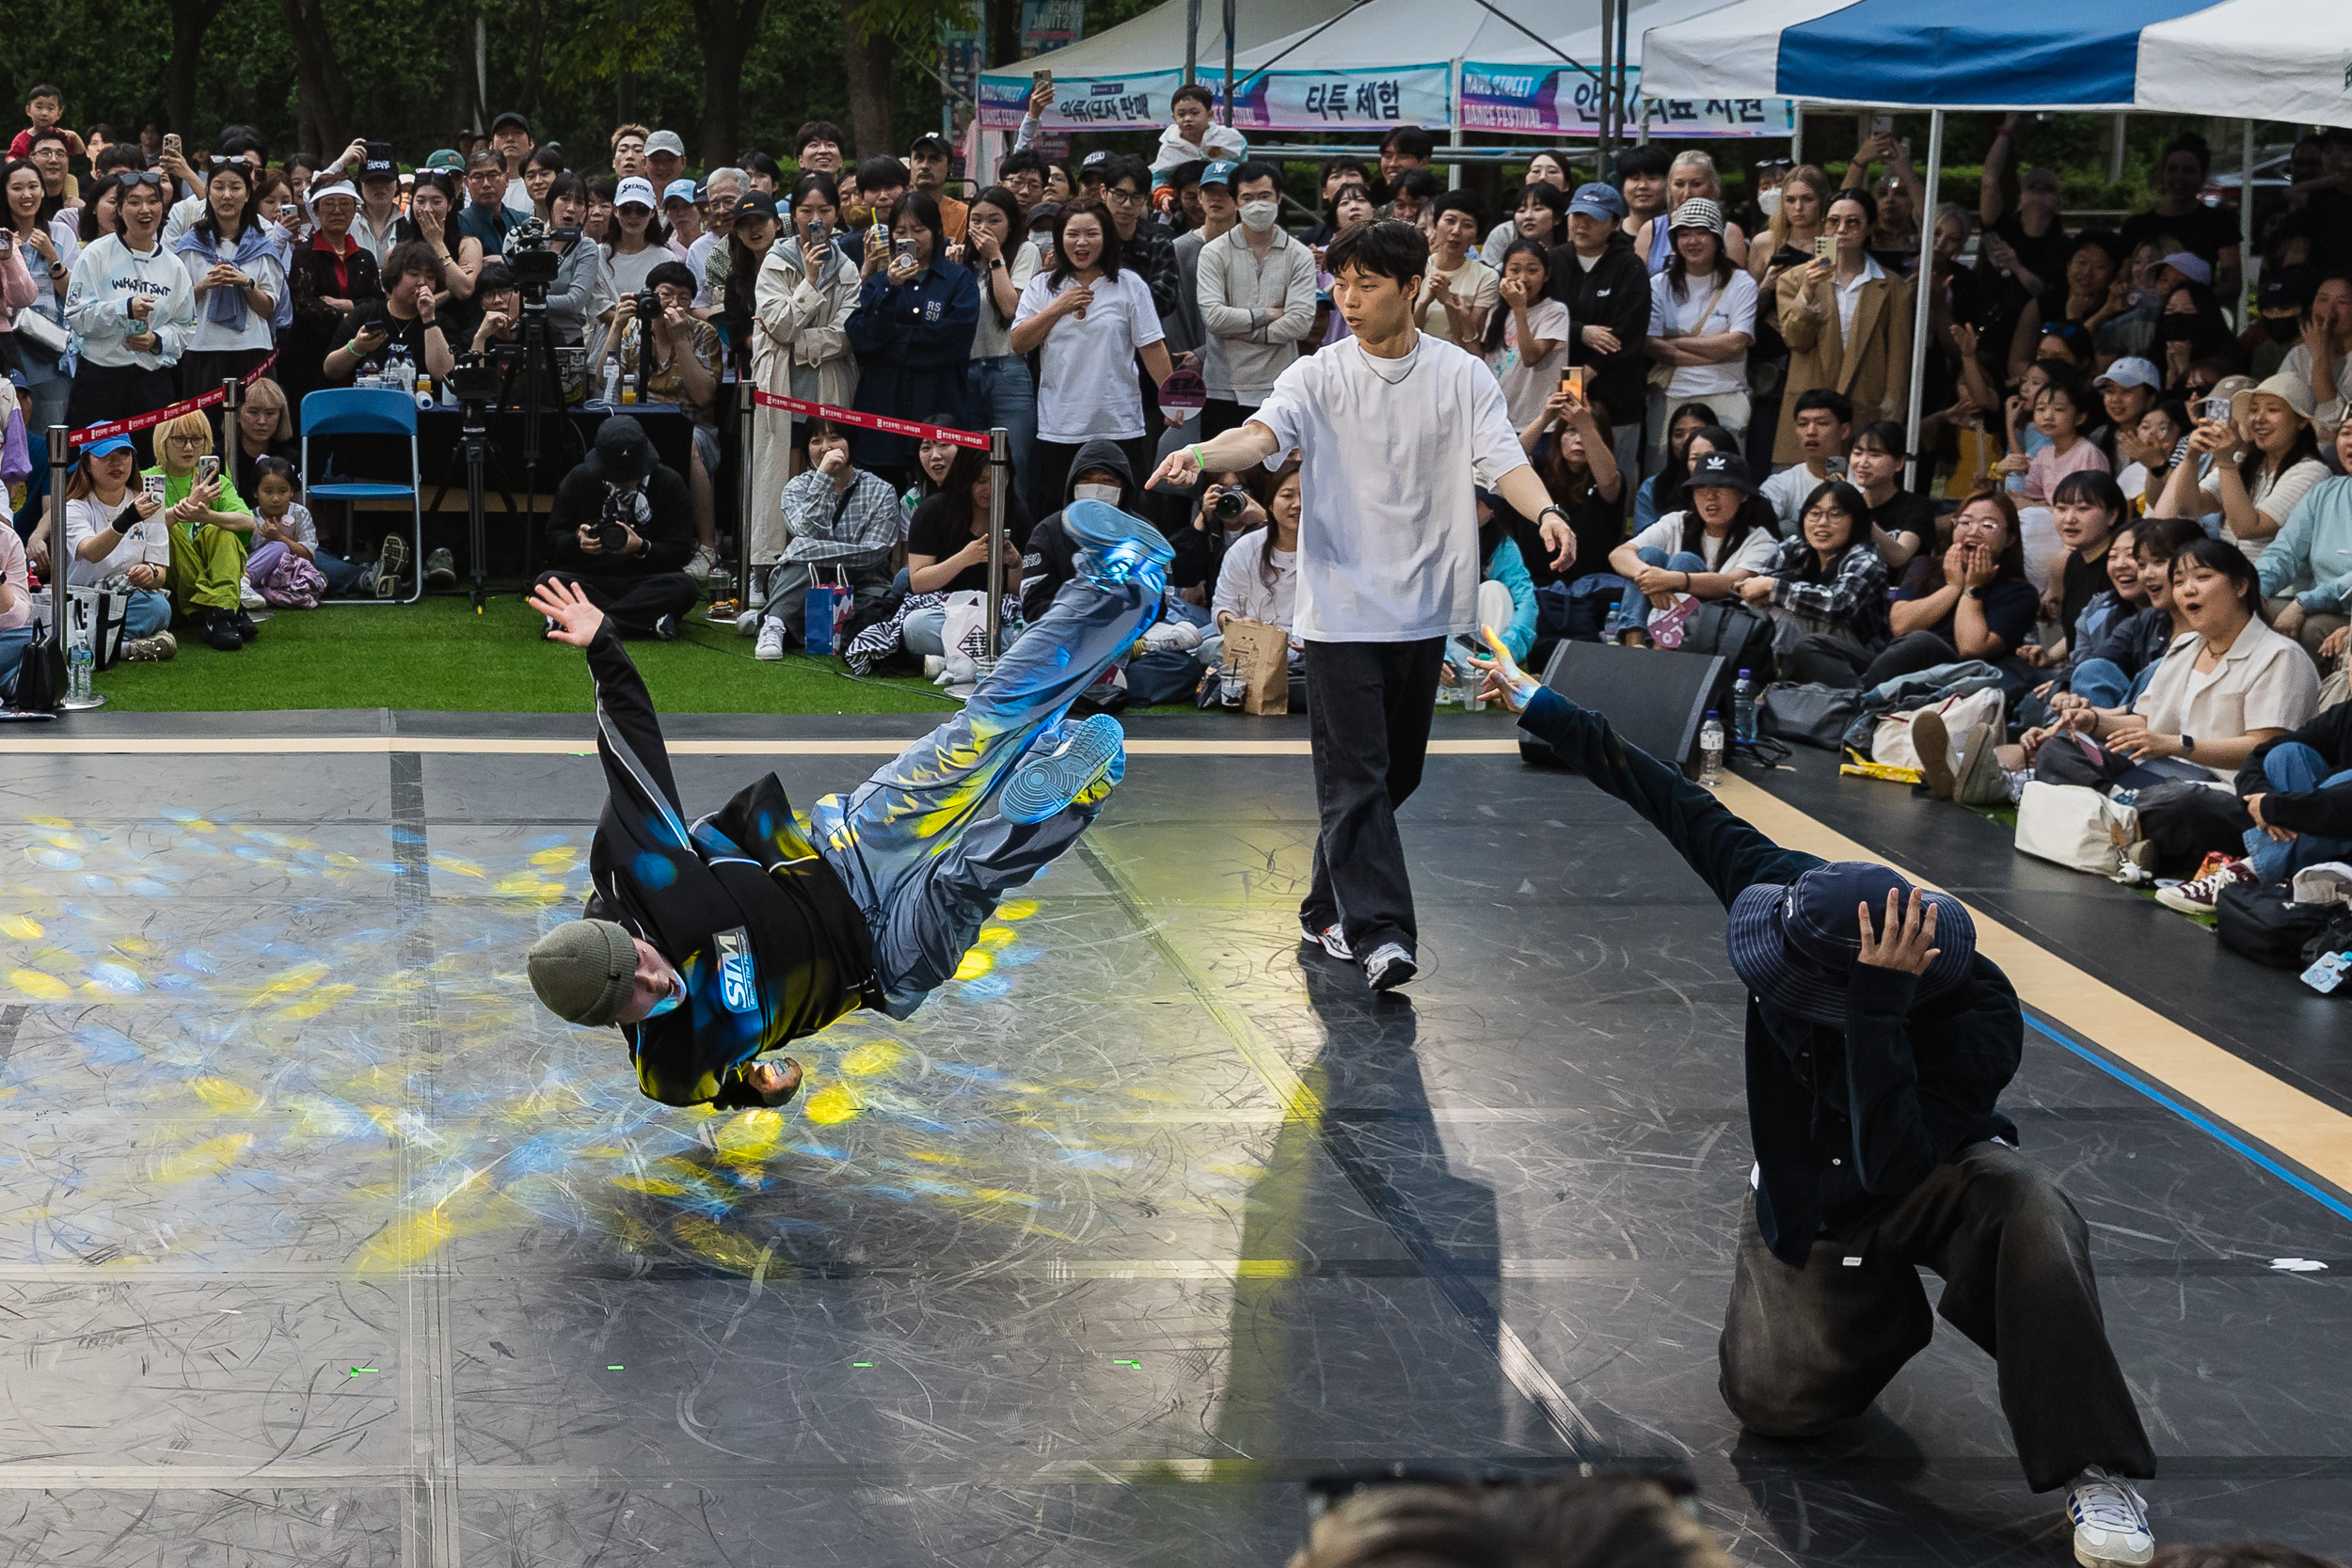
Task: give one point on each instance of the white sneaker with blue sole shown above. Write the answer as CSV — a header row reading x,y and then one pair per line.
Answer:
x,y
1114,547
2111,1521
1050,777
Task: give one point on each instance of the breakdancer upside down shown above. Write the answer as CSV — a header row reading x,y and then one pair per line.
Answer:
x,y
711,941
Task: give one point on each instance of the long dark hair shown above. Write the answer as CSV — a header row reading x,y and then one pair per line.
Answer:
x,y
1500,317
965,470
1263,482
1678,271
1756,514
1676,495
408,229
742,288
1008,204
99,188
1570,485
2250,467
1110,259
50,205
206,225
923,209
2012,562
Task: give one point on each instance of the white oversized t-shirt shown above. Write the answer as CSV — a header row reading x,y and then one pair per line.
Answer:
x,y
1087,370
1393,449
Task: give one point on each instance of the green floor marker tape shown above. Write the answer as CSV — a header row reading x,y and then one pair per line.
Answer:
x,y
356,1371
616,1367
861,1363
1122,1362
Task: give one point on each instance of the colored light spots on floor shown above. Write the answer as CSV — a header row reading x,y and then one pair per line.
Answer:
x,y
21,927
997,936
55,860
209,1158
1016,909
227,1096
750,1138
562,855
975,963
116,979
874,1056
834,1103
406,1241
721,1246
41,987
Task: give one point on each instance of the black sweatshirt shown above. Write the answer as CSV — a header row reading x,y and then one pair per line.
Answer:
x,y
1614,292
771,945
2324,812
668,532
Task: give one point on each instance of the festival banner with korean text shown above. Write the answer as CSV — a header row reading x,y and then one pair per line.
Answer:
x,y
1138,102
1341,100
1560,102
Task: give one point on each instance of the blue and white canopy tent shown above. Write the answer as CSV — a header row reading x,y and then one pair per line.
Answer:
x,y
2280,59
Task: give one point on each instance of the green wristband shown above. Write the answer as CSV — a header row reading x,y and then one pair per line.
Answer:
x,y
1199,462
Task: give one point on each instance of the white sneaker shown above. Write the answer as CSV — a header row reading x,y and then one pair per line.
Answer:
x,y
932,665
756,596
2200,896
747,624
1332,939
770,641
1389,966
699,564
250,596
2111,1521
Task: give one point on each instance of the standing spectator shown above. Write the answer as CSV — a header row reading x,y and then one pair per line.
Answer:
x,y
1847,323
1256,296
2180,213
621,530
2023,254
2094,260
510,135
44,106
48,262
678,355
1001,390
816,146
1975,601
333,277
48,158
1089,318
1599,276
2322,360
1690,178
104,537
487,216
1412,198
682,211
926,172
665,159
1548,226
2265,460
708,255
1800,208
232,260
640,241
1641,181
628,149
581,288
1567,443
1894,238
376,224
1461,290
1829,585
598,225
866,203
1023,174
763,359
2307,570
1726,536
1526,343
805,293
130,308
842,522
1213,187
1702,318
911,331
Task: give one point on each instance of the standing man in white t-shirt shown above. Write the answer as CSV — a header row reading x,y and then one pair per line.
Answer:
x,y
1396,428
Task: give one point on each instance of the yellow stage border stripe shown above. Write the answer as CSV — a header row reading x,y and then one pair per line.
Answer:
x,y
384,745
2308,1131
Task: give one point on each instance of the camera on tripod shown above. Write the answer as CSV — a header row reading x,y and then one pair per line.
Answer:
x,y
529,255
474,380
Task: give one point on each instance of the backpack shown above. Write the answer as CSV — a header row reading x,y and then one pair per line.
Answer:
x,y
1811,713
1743,637
2257,919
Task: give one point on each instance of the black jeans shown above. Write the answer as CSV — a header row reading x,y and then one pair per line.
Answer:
x,y
634,603
103,393
1369,705
1828,657
1909,654
1804,1349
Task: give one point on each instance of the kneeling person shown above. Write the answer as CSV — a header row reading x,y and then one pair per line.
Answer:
x,y
621,531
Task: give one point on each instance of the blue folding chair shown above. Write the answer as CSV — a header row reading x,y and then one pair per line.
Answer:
x,y
367,411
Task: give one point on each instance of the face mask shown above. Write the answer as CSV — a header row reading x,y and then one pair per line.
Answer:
x,y
670,1003
2176,328
1769,201
1107,493
1258,217
2282,330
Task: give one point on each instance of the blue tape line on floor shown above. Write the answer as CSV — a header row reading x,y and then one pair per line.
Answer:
x,y
2203,1123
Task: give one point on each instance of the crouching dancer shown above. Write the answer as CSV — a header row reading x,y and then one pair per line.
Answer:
x,y
1875,1052
712,941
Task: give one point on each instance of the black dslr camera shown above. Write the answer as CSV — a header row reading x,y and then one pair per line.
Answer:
x,y
1230,504
531,259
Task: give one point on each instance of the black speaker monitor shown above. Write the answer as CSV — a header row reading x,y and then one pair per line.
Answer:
x,y
1654,698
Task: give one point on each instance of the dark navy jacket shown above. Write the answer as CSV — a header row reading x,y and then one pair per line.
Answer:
x,y
1838,1132
914,343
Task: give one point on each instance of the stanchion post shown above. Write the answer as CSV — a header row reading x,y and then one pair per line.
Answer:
x,y
1915,402
747,398
60,454
999,462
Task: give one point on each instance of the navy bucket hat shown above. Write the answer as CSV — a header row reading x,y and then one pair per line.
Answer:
x,y
1795,944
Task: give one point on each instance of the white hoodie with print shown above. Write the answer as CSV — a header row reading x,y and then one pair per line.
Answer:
x,y
107,277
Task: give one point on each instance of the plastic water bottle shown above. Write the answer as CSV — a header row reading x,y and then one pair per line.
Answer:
x,y
1711,751
1613,622
79,658
1743,709
613,382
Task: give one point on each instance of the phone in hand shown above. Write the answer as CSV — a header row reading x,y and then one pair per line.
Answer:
x,y
1573,380
171,143
2215,409
1825,247
820,236
902,251
207,468
1882,125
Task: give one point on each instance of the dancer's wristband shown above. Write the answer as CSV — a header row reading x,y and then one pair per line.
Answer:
x,y
1198,460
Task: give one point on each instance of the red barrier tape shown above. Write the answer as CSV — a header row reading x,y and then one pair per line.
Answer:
x,y
147,421
972,438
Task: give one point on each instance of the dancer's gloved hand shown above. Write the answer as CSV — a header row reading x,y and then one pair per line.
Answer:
x,y
1506,680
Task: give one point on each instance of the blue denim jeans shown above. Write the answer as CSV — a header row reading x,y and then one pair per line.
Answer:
x,y
1001,394
2295,767
13,642
1635,613
149,612
2102,681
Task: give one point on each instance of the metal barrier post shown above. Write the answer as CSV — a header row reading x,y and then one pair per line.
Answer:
x,y
60,454
1915,403
999,461
747,397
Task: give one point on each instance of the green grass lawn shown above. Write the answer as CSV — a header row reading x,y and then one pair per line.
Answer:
x,y
439,655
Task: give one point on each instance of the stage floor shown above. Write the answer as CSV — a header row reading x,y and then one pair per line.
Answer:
x,y
320,1244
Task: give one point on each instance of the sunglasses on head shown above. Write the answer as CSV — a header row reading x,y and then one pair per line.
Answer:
x,y
132,180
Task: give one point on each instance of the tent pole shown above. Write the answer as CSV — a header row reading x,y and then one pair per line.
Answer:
x,y
1192,41
1919,303
2246,266
1454,86
1229,61
1625,103
1604,143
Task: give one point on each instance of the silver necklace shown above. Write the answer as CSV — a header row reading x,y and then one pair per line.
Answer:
x,y
1372,362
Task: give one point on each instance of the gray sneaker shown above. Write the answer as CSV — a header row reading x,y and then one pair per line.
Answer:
x,y
1389,966
440,569
389,565
1982,780
1934,742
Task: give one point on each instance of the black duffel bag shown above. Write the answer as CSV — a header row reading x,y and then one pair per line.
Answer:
x,y
2257,920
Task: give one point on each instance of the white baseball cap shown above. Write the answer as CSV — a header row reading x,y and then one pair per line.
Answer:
x,y
2131,371
2195,268
635,188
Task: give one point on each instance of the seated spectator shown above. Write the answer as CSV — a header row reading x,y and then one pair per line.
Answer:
x,y
1828,587
2322,360
2062,413
1973,602
681,368
2127,389
16,609
2094,258
1506,595
621,529
264,428
1526,341
947,547
2192,329
104,539
2112,671
842,522
1822,424
285,523
1457,290
911,331
2218,694
1200,549
2088,509
1098,471
1726,536
1901,521
210,529
2297,788
932,459
402,322
1568,443
2147,450
1662,487
1258,579
2306,570
2266,459
1702,321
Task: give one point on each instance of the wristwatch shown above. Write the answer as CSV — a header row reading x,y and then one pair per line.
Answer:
x,y
2188,744
994,264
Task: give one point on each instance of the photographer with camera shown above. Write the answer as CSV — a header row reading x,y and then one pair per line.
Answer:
x,y
403,318
672,356
622,530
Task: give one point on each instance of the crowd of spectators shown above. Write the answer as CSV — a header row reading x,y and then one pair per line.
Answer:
x,y
1715,394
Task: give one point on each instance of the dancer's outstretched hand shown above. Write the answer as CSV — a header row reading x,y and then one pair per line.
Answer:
x,y
577,621
1506,680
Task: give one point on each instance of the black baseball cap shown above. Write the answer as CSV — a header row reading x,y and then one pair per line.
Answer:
x,y
933,141
511,118
754,204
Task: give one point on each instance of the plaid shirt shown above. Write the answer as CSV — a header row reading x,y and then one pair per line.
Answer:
x,y
855,528
1852,602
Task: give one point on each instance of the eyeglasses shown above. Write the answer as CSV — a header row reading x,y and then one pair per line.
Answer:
x,y
1125,199
183,441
